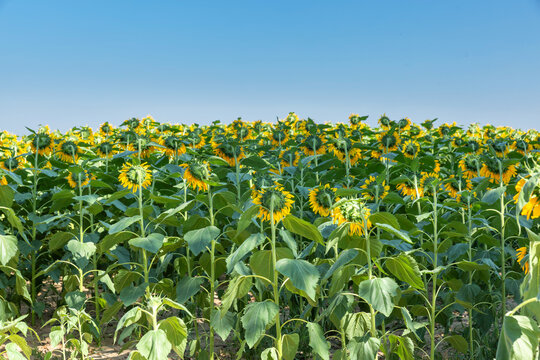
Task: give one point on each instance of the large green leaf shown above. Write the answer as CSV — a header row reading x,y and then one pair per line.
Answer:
x,y
301,273
200,239
344,258
518,339
303,228
385,218
188,287
289,344
151,242
123,224
400,234
379,293
317,341
257,317
493,195
249,244
364,348
222,325
405,268
8,248
81,252
154,345
176,331
261,261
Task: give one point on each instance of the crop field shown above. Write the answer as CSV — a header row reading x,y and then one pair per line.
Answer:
x,y
286,240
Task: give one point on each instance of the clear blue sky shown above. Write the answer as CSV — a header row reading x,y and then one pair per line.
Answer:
x,y
67,63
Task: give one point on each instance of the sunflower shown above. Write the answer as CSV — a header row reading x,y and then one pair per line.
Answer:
x,y
173,145
12,163
456,185
68,151
321,199
106,129
3,180
342,146
372,188
356,121
500,146
42,142
389,141
522,255
354,213
289,158
458,141
490,169
532,208
415,131
521,146
145,146
385,122
404,124
475,144
273,198
428,182
227,152
195,140
469,166
128,139
131,176
445,129
314,145
278,137
73,179
407,188
195,174
411,149
105,149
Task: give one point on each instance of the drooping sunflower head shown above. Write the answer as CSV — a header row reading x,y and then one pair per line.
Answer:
x,y
522,146
12,163
196,174
354,213
457,184
42,142
404,124
445,129
68,151
492,167
469,165
429,182
408,188
289,157
532,208
133,176
372,190
523,259
415,131
322,199
229,152
458,141
275,203
173,145
314,145
80,176
195,140
341,147
500,146
389,141
411,148
385,122
128,140
145,146
279,136
106,149
106,129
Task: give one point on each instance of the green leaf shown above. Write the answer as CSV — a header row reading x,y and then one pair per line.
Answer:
x,y
365,348
13,353
400,234
222,324
405,268
176,331
385,218
379,293
151,242
6,196
317,341
8,248
129,295
198,240
257,317
518,339
124,223
246,218
261,261
471,266
249,244
110,241
303,275
270,354
493,195
81,252
289,344
458,342
75,300
59,239
344,258
303,228
154,345
188,287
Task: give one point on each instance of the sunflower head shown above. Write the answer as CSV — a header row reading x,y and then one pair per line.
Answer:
x,y
135,177
314,145
372,190
354,213
389,141
275,203
385,122
78,176
196,174
523,259
42,143
68,151
105,149
11,163
411,149
321,199
404,124
469,165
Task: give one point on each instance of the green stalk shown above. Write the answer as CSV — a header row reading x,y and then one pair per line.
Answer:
x,y
212,269
373,329
33,255
434,277
275,282
143,234
503,259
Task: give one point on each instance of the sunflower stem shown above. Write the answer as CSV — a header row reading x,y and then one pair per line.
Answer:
x,y
275,281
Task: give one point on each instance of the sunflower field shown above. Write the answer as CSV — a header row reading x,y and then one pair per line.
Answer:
x,y
286,240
